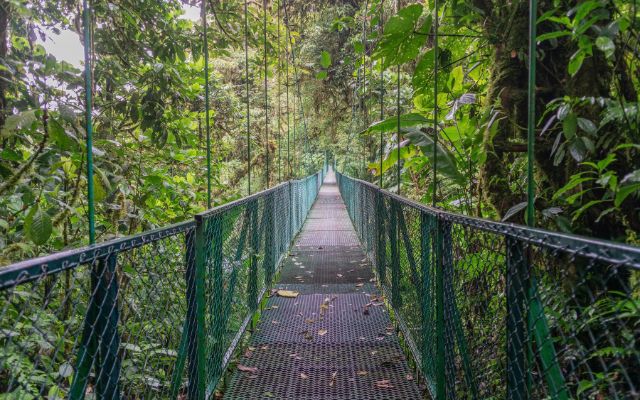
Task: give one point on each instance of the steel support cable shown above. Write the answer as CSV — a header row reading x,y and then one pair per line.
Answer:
x,y
380,32
296,160
533,8
88,93
266,93
246,77
435,104
363,96
279,95
286,85
206,98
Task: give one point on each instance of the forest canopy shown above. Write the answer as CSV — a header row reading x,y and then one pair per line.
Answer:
x,y
319,80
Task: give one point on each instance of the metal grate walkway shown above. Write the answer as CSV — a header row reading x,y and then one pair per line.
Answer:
x,y
335,339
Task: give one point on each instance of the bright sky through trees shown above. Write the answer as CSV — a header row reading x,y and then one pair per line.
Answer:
x,y
66,45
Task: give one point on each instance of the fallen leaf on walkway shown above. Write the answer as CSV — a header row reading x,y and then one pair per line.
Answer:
x,y
359,284
275,322
384,384
268,394
309,321
362,373
339,275
288,293
295,356
409,377
244,368
265,347
333,378
303,375
322,332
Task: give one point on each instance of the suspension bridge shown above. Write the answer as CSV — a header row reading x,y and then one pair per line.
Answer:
x,y
325,287
315,290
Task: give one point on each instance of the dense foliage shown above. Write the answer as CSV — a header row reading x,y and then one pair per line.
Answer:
x,y
150,136
586,111
322,78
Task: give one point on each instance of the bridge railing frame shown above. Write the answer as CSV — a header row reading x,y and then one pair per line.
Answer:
x,y
130,318
448,276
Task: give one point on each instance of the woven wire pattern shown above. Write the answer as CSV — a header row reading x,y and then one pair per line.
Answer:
x,y
121,319
335,339
105,320
493,310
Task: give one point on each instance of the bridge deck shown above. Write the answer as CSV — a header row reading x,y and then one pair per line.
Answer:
x,y
335,339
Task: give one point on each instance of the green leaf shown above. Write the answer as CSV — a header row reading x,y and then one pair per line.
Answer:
x,y
569,126
625,192
576,62
18,121
402,37
578,149
606,45
587,125
584,208
391,124
552,35
60,137
321,75
99,191
514,210
446,161
632,177
456,78
40,227
575,181
422,74
325,59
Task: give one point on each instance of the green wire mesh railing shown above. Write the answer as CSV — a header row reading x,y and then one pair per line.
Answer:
x,y
155,315
494,310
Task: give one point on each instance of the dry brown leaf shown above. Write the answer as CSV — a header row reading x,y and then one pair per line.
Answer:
x,y
339,275
322,332
309,321
384,384
362,373
288,293
303,375
359,284
244,368
409,377
333,378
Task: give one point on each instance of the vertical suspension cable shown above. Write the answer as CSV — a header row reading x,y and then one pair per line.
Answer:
x,y
88,92
279,95
246,77
435,105
286,60
398,121
363,98
380,32
296,161
266,93
295,109
531,91
206,98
